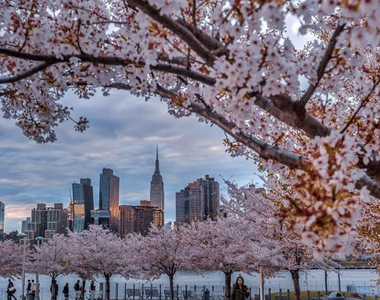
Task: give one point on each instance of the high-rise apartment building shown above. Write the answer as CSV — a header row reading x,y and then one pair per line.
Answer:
x,y
83,203
109,198
46,221
2,216
198,200
157,195
140,218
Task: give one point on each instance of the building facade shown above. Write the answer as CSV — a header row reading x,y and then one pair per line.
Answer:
x,y
83,203
46,221
140,218
157,195
199,200
212,197
2,217
109,198
24,224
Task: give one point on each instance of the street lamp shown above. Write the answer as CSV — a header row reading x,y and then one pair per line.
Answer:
x,y
22,237
39,240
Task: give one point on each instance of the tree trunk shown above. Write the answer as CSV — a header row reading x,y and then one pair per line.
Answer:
x,y
107,277
296,283
52,289
83,288
227,280
171,286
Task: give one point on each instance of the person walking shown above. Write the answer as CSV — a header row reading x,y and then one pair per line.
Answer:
x,y
54,290
77,290
33,287
239,290
66,291
11,290
29,286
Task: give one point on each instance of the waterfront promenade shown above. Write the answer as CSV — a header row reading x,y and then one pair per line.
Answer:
x,y
313,280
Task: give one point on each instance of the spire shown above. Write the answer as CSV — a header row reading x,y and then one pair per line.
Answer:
x,y
157,162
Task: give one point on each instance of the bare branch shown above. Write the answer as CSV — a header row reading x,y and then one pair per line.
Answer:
x,y
322,65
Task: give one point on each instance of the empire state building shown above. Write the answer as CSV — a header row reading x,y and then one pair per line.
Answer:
x,y
157,197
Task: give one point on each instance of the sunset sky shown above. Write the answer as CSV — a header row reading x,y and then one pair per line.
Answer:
x,y
123,135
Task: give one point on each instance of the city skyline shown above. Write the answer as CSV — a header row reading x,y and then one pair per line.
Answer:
x,y
123,135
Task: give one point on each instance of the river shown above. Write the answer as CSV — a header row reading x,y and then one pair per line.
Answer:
x,y
363,279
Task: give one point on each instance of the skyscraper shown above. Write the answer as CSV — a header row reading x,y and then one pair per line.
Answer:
x,y
157,196
109,197
198,200
83,202
2,213
212,197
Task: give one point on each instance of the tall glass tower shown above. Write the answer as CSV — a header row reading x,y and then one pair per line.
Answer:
x,y
2,213
157,197
83,202
109,197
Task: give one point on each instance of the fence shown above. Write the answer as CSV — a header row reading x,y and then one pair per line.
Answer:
x,y
128,291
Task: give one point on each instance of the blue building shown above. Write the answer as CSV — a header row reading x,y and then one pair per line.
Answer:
x,y
83,203
109,199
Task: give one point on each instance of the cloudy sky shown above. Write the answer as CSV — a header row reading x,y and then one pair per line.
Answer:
x,y
123,135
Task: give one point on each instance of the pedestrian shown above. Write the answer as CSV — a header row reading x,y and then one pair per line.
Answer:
x,y
92,290
239,290
77,289
54,289
66,291
33,287
11,290
29,286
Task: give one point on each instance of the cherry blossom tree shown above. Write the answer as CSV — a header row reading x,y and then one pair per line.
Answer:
x,y
230,245
51,258
265,218
160,252
10,258
97,251
368,240
306,112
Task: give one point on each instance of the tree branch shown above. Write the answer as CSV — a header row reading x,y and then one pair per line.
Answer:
x,y
370,184
185,72
177,28
362,104
287,113
106,60
264,150
322,65
26,74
